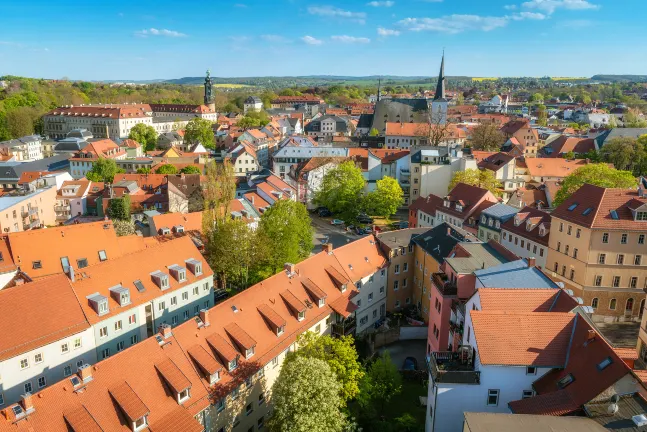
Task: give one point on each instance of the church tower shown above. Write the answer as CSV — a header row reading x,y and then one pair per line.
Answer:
x,y
439,104
209,100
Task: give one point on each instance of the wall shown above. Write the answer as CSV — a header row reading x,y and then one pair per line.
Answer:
x,y
371,300
397,299
11,219
408,333
538,251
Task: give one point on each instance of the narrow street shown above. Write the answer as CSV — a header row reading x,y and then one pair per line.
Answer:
x,y
327,233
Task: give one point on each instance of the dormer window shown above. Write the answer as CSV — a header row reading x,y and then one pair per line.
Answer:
x,y
160,279
140,423
99,303
321,302
641,216
233,364
446,203
497,224
517,221
183,395
249,352
178,272
281,329
195,266
483,219
301,316
214,377
120,294
459,207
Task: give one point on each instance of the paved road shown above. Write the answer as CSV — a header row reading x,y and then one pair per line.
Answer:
x,y
406,348
324,232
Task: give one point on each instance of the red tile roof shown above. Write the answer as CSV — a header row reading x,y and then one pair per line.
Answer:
x,y
206,361
30,176
536,217
173,375
496,161
565,144
102,111
471,197
530,338
129,401
427,205
344,306
526,300
271,316
557,167
190,221
80,420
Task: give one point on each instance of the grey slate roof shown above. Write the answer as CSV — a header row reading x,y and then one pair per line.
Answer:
x,y
400,238
438,243
482,256
500,211
608,135
253,100
12,171
365,121
514,274
428,151
70,144
396,110
315,125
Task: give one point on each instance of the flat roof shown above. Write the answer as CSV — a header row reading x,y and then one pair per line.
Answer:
x,y
491,422
10,201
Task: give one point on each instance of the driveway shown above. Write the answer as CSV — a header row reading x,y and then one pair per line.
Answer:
x,y
330,233
406,348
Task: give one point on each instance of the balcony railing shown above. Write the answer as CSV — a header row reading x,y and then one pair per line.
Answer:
x,y
444,285
447,367
345,327
30,225
61,208
30,211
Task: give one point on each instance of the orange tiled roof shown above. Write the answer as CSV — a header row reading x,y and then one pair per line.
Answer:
x,y
129,401
27,327
553,167
29,176
626,353
80,419
102,111
190,221
419,129
529,300
6,260
565,144
530,338
173,375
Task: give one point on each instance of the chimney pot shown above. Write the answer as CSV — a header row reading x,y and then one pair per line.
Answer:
x,y
289,267
165,331
85,372
27,403
328,248
531,262
204,316
592,335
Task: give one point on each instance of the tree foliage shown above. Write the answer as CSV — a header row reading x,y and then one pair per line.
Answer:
x,y
633,118
143,170
288,233
487,137
624,153
166,169
190,169
385,199
596,174
374,132
200,131
341,190
145,135
542,115
124,227
381,382
103,170
253,119
306,397
119,208
485,179
339,353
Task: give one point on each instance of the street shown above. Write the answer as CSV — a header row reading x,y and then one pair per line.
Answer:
x,y
327,233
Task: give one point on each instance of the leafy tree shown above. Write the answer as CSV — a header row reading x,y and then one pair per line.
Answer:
x,y
166,169
542,115
103,170
386,198
596,174
124,227
613,122
487,137
374,132
219,191
119,208
633,118
537,98
20,122
381,382
569,155
339,353
341,190
306,397
200,131
288,233
621,152
144,135
143,170
190,169
482,178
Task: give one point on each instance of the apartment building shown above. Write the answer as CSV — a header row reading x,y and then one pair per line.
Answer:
x,y
22,211
42,345
84,160
463,205
244,159
27,148
398,246
521,136
597,249
432,168
214,372
492,219
71,199
301,149
526,235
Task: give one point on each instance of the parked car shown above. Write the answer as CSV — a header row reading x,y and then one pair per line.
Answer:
x,y
324,212
410,363
336,222
364,219
359,231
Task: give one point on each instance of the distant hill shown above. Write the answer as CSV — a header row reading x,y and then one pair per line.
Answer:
x,y
618,78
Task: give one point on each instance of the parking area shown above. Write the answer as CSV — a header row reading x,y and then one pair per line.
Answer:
x,y
406,348
327,233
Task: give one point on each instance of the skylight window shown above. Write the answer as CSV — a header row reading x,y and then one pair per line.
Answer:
x,y
614,215
604,364
102,255
572,207
65,263
139,285
564,382
587,211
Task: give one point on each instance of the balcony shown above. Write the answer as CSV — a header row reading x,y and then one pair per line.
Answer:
x,y
448,368
29,212
62,208
444,285
345,327
26,226
405,171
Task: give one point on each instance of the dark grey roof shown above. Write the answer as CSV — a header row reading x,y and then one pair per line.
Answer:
x,y
293,121
315,125
621,421
80,133
428,151
514,274
481,255
604,137
70,144
399,238
396,110
500,211
439,241
365,121
129,185
12,171
253,100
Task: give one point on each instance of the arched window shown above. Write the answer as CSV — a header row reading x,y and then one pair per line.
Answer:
x,y
629,306
594,303
612,304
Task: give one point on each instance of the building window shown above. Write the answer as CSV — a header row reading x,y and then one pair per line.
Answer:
x,y
605,238
602,258
527,394
623,239
616,281
67,371
578,233
641,239
559,246
637,260
395,285
531,370
118,325
561,227
572,274
598,280
621,259
103,332
604,364
249,409
492,397
594,303
133,339
38,358
24,363
575,253
28,387
612,304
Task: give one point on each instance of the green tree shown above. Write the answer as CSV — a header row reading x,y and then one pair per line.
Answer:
x,y
190,169
596,174
341,190
200,131
381,382
537,98
542,115
287,231
253,119
569,155
144,135
621,152
166,169
487,137
20,121
482,178
306,398
124,227
633,118
374,132
613,122
103,170
143,170
385,199
339,353
119,208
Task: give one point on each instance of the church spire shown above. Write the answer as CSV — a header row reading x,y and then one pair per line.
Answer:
x,y
208,90
379,82
440,86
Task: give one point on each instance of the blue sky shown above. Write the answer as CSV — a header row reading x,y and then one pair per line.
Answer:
x,y
145,39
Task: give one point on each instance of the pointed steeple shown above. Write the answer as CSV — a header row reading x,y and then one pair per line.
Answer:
x,y
440,87
379,82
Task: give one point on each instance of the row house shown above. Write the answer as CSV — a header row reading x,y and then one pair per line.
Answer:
x,y
463,205
562,145
597,248
328,126
492,219
400,135
244,159
522,136
306,177
27,148
262,143
207,373
297,150
540,170
526,234
84,160
71,199
503,166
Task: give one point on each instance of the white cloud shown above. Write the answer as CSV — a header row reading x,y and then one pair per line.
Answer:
x,y
350,39
453,24
275,38
159,32
528,15
387,32
510,7
333,12
380,3
311,41
549,6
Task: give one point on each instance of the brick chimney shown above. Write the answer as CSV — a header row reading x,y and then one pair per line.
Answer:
x,y
26,402
85,372
165,331
204,316
592,334
449,230
531,262
327,248
289,268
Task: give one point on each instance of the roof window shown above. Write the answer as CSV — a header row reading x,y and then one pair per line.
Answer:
x,y
36,265
572,206
139,285
82,262
160,279
604,364
614,215
120,294
102,255
178,272
565,381
99,303
587,211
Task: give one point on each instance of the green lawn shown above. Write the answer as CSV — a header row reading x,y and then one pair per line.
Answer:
x,y
408,402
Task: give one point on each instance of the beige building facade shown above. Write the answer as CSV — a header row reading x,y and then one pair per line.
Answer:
x,y
26,212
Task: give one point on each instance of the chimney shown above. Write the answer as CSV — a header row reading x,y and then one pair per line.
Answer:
x,y
204,316
19,281
591,335
252,199
531,262
328,248
289,267
85,373
27,403
107,132
449,230
165,331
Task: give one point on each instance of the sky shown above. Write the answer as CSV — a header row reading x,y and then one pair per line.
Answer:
x,y
162,39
